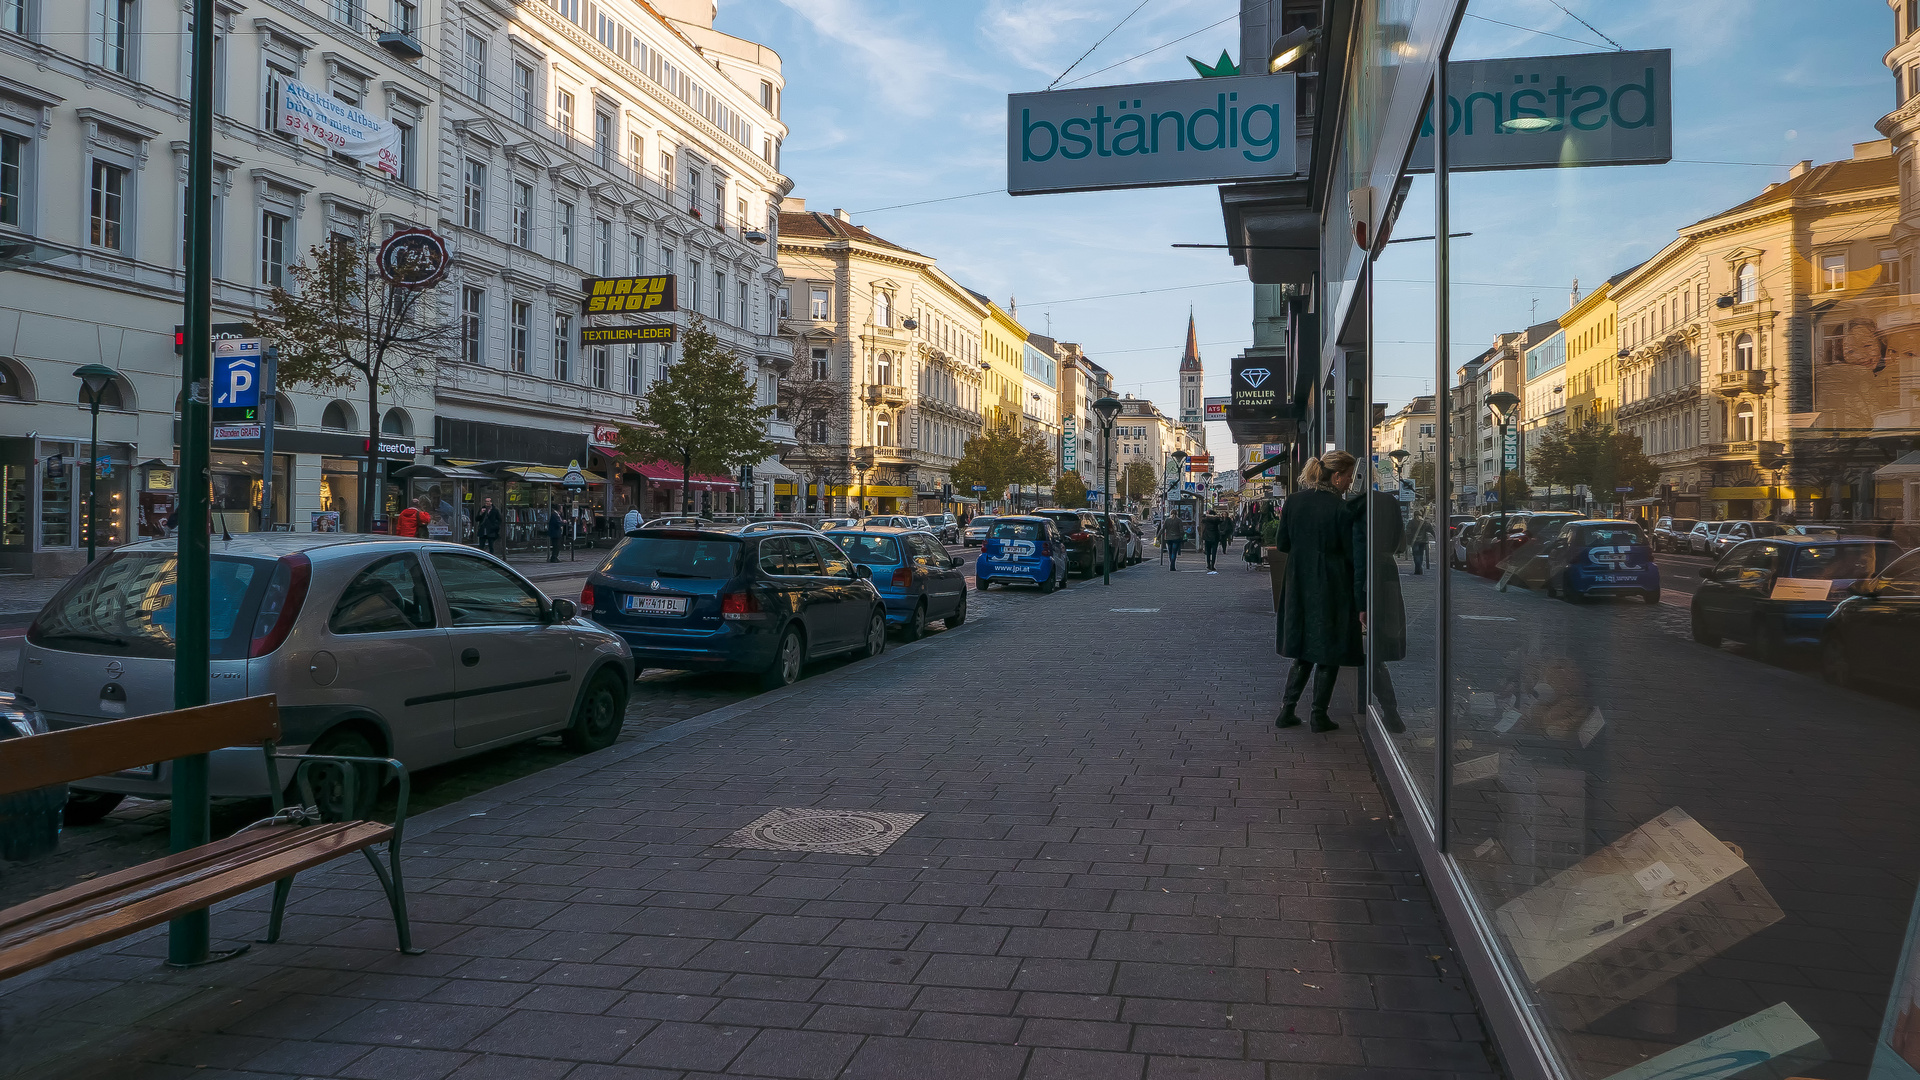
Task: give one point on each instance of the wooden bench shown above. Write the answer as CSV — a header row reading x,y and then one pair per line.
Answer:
x,y
273,850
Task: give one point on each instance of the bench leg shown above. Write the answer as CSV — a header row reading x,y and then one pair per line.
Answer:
x,y
396,897
280,890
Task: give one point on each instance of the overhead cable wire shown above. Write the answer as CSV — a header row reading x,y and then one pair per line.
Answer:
x,y
1531,30
1097,44
1588,25
1155,49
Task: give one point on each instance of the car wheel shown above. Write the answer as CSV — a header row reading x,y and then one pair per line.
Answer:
x,y
602,712
916,627
788,658
876,636
1651,596
1552,590
982,584
1834,665
959,614
1766,644
1703,633
329,782
88,807
1047,585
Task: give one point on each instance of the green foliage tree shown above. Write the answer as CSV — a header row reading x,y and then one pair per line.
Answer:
x,y
1137,481
1421,473
987,460
343,324
1069,490
700,413
1597,455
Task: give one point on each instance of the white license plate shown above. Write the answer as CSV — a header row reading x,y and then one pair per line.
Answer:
x,y
655,605
1020,549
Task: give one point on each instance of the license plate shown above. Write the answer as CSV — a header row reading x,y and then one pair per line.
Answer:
x,y
1020,548
655,605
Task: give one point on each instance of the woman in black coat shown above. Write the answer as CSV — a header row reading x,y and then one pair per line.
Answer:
x,y
1319,624
1387,619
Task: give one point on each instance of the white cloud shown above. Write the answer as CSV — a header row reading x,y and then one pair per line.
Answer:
x,y
902,61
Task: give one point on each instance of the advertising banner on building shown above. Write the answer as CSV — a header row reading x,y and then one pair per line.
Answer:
x,y
629,335
606,296
1189,131
322,118
1217,407
1068,437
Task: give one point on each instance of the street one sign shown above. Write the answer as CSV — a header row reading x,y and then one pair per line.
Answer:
x,y
609,295
1189,131
629,335
1555,112
236,373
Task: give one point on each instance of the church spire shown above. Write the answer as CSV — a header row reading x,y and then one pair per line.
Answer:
x,y
1190,360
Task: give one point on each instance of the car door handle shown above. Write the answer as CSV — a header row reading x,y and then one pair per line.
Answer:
x,y
470,657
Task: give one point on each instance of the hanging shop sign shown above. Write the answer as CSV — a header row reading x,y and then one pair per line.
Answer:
x,y
1555,112
605,435
320,117
1254,383
1068,438
1217,407
1189,131
665,333
607,296
414,258
574,479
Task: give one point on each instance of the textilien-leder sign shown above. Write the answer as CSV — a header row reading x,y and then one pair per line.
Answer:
x,y
1190,131
1554,112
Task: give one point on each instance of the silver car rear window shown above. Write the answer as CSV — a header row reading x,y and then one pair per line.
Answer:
x,y
124,606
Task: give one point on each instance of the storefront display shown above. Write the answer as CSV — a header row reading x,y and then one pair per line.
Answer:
x,y
237,491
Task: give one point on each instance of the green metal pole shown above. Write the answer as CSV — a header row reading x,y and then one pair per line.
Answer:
x,y
93,478
188,936
1106,494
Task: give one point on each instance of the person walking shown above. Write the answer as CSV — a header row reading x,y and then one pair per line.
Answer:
x,y
488,527
414,519
1319,624
1173,532
556,528
1422,536
1215,531
1386,617
631,521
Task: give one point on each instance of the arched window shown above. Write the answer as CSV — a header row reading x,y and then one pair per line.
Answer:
x,y
882,432
282,411
338,416
1743,353
1748,278
14,384
882,308
1743,423
396,422
111,396
883,370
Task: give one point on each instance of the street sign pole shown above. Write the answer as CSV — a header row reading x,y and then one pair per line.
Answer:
x,y
188,936
269,371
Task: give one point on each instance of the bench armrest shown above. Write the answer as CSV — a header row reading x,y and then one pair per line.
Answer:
x,y
349,780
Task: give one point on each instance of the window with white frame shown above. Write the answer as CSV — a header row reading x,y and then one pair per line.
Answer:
x,y
563,112
783,302
473,196
274,240
473,321
405,17
523,213
637,254
563,238
603,246
473,66
1833,272
563,347
519,332
13,184
603,139
635,372
666,259
13,16
525,108
107,216
720,295
409,154
637,153
882,308
1889,267
347,12
217,215
111,35
822,366
693,284
602,368
1747,288
740,308
819,305
1743,353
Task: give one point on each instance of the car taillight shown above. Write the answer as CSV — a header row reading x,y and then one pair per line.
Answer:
x,y
902,578
739,603
586,598
281,606
1081,536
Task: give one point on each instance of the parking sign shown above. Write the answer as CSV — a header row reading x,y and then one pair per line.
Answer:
x,y
236,373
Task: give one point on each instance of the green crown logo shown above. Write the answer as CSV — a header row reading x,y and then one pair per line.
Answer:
x,y
1221,70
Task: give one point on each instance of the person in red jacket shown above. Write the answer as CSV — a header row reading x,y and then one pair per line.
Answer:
x,y
414,519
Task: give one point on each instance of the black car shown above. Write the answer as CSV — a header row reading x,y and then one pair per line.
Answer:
x,y
1086,542
719,599
1670,533
1776,593
1873,633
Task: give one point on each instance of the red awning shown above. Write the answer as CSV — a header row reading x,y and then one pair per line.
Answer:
x,y
660,472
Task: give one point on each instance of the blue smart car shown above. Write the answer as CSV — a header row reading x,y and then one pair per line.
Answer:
x,y
1027,549
1601,557
918,581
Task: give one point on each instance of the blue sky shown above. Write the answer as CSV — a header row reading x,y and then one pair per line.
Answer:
x,y
897,102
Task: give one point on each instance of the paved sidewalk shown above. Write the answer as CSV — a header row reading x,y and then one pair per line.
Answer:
x,y
1123,871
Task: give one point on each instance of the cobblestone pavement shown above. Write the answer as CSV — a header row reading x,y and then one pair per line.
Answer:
x,y
1123,871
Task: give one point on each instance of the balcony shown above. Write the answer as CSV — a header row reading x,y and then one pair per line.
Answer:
x,y
781,432
885,394
1761,451
1732,383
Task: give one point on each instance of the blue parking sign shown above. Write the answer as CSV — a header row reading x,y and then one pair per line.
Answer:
x,y
236,373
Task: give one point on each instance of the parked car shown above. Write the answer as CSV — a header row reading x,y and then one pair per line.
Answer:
x,y
1463,536
1083,533
358,636
1492,546
893,521
1700,537
775,525
1776,593
1825,532
679,523
829,524
975,533
1670,533
1601,557
1873,633
1526,546
916,578
1734,532
1129,546
714,600
1024,548
946,527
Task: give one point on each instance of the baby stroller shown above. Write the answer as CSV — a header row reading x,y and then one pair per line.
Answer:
x,y
1252,552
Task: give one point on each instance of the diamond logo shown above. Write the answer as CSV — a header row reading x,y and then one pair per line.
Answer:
x,y
1254,376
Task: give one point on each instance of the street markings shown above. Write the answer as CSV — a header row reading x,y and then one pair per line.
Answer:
x,y
1137,610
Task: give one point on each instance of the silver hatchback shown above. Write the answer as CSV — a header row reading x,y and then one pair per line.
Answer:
x,y
411,649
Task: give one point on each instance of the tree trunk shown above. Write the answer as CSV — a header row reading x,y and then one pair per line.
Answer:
x,y
370,497
686,483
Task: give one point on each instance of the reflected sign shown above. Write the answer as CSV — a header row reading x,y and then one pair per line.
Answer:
x,y
1551,112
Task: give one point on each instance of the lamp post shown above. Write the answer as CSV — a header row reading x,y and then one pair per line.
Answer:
x,y
1502,405
1106,409
863,460
95,378
1177,465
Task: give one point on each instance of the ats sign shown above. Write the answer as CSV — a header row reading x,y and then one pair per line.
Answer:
x,y
1190,131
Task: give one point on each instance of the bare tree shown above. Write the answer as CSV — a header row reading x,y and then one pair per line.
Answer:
x,y
343,324
814,406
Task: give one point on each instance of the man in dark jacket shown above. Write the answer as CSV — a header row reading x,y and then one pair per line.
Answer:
x,y
1319,625
488,527
1213,535
556,528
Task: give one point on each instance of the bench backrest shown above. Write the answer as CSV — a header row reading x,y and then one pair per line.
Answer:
x,y
115,745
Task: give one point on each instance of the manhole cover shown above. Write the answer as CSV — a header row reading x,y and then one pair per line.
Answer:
x,y
837,832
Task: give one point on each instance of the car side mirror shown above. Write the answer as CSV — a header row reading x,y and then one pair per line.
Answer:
x,y
562,610
862,570
1864,587
1707,574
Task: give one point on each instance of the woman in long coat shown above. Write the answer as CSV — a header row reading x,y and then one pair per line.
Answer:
x,y
1388,617
1319,624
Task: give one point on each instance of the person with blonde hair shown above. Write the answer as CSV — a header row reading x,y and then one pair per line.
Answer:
x,y
1319,625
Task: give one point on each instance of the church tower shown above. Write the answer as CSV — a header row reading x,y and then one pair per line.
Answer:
x,y
1193,406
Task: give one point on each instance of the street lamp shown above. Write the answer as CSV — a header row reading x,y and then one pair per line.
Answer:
x,y
1503,404
95,378
863,460
1106,409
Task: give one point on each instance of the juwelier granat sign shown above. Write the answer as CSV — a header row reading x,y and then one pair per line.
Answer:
x,y
1191,131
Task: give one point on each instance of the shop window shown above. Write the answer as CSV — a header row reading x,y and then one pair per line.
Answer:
x,y
337,416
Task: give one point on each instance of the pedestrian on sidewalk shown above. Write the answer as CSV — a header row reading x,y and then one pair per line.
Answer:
x,y
556,528
1422,536
1318,626
1381,573
1173,532
488,527
1215,531
631,521
414,519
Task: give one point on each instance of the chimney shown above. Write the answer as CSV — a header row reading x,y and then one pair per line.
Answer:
x,y
792,205
1800,169
842,215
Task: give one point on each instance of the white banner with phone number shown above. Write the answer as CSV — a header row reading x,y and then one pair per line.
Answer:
x,y
314,116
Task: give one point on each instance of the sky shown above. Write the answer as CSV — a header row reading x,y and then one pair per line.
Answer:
x,y
895,102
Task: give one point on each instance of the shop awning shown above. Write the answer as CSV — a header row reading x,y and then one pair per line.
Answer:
x,y
771,469
547,474
660,472
442,472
